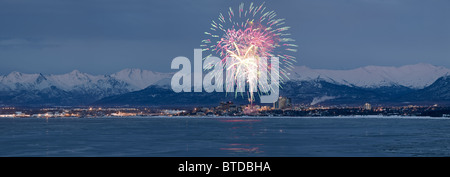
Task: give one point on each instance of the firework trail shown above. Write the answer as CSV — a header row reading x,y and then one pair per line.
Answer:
x,y
245,39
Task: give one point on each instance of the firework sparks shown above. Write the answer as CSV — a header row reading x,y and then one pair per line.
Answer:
x,y
245,41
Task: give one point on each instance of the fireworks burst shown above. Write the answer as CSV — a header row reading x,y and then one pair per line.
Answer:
x,y
246,40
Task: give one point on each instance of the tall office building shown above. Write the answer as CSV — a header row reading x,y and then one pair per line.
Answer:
x,y
367,106
282,103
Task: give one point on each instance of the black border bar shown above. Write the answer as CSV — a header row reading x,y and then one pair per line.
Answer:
x,y
278,166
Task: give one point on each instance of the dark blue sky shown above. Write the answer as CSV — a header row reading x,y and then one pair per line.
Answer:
x,y
105,36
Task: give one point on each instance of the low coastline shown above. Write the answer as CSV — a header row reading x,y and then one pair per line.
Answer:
x,y
241,117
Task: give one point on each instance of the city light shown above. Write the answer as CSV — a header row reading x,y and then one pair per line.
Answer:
x,y
283,107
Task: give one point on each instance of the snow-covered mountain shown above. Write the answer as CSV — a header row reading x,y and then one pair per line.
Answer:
x,y
127,79
140,79
310,85
413,76
21,81
72,88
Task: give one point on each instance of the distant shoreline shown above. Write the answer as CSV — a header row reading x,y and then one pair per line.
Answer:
x,y
241,117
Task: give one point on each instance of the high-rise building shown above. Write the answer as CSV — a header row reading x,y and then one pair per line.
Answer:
x,y
367,106
282,103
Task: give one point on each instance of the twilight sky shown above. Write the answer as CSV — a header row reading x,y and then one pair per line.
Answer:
x,y
105,36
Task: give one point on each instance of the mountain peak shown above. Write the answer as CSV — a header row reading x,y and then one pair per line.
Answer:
x,y
139,78
76,72
14,74
413,76
131,70
18,77
40,78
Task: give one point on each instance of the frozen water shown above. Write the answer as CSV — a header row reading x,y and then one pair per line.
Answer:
x,y
183,137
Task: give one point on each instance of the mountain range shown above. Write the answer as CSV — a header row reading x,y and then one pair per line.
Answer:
x,y
412,76
74,88
410,84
